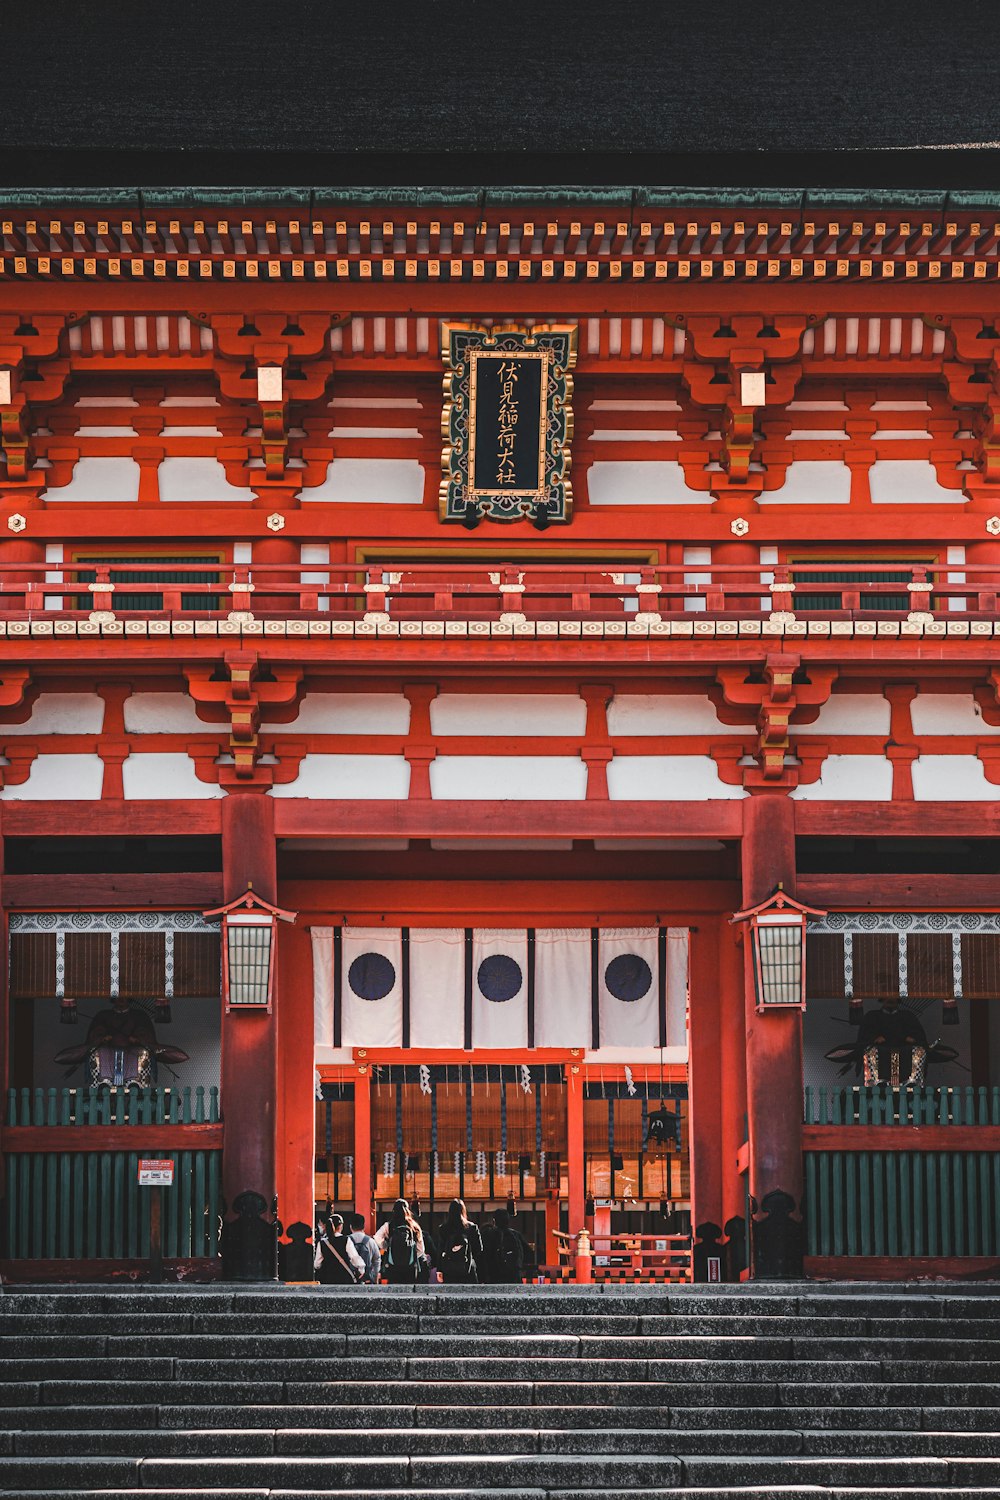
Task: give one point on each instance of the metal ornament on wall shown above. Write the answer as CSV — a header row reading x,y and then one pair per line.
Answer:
x,y
507,423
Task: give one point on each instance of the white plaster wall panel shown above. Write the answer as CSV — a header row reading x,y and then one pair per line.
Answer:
x,y
371,481
668,778
165,777
61,713
348,713
634,482
667,713
909,481
197,479
382,778
99,481
505,778
850,778
812,483
952,778
164,713
509,713
850,713
949,713
60,778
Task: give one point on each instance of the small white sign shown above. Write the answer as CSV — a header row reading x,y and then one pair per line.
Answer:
x,y
753,388
156,1173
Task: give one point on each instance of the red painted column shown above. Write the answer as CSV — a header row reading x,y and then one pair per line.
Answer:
x,y
704,1077
574,1147
774,1056
296,1104
249,1083
363,1143
733,1070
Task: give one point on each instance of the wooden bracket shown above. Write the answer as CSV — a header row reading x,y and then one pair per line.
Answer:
x,y
773,693
239,697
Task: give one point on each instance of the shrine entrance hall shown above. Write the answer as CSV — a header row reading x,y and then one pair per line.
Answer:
x,y
519,1042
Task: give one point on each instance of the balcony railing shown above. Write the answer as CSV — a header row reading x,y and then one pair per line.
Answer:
x,y
520,596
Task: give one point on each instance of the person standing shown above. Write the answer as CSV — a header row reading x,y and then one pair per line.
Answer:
x,y
336,1258
366,1248
401,1245
461,1246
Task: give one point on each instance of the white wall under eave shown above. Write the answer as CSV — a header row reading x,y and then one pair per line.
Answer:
x,y
60,713
60,778
666,713
371,481
165,777
508,778
850,778
809,482
909,481
949,713
197,479
668,778
507,714
383,778
850,713
347,713
635,482
162,713
952,778
97,481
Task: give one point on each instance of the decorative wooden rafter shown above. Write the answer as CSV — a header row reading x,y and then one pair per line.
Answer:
x,y
238,697
34,373
774,694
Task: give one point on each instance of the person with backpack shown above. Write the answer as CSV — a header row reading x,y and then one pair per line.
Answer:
x,y
337,1261
401,1244
366,1248
506,1250
460,1252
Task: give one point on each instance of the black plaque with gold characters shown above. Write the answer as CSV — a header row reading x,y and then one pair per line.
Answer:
x,y
507,423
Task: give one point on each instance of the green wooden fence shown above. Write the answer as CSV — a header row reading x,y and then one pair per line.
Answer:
x,y
87,1205
902,1203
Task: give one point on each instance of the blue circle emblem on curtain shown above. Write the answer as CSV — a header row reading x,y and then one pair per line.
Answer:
x,y
371,976
628,977
499,977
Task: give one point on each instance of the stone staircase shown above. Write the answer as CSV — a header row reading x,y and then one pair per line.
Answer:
x,y
525,1393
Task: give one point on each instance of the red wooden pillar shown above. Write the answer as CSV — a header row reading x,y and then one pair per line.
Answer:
x,y
774,1057
574,1147
704,1078
296,1105
733,1071
248,1053
363,1143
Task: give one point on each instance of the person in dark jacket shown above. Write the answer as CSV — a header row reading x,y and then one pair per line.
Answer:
x,y
337,1261
460,1252
505,1250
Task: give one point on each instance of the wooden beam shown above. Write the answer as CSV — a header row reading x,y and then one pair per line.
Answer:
x,y
901,1137
132,892
111,1138
900,892
299,818
969,820
110,819
899,1267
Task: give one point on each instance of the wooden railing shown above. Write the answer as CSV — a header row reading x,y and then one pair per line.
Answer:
x,y
625,1257
71,1159
597,590
908,1172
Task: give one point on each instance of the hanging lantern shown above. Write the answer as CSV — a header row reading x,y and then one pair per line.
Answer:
x,y
68,1013
249,925
778,935
163,1012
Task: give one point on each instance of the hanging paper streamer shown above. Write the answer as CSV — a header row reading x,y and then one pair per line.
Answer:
x,y
457,1162
501,1164
318,1085
349,1165
425,1079
389,1164
480,1173
525,1079
629,1082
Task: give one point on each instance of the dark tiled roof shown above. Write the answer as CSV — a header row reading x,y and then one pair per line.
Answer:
x,y
854,92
